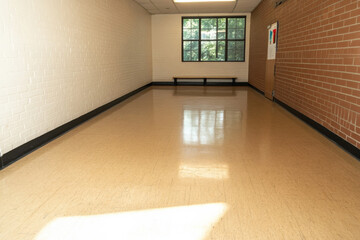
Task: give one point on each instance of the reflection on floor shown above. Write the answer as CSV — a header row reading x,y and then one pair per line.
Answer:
x,y
177,223
203,126
206,127
204,91
193,166
216,171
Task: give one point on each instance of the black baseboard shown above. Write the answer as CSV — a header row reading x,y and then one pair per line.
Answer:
x,y
256,89
323,130
200,84
163,83
34,144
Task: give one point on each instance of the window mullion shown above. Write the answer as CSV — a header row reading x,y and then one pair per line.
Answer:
x,y
226,40
199,42
217,42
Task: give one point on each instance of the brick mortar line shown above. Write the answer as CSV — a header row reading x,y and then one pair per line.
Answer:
x,y
287,75
283,45
356,74
324,64
332,91
328,64
306,33
332,84
321,49
349,80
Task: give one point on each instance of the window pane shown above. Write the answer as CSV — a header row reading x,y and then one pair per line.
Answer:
x,y
191,50
208,23
222,23
221,28
236,51
186,23
186,34
236,33
191,34
236,28
208,50
191,45
190,29
195,34
221,33
187,56
212,50
190,56
232,22
208,28
231,33
187,45
195,56
195,23
240,33
190,23
221,51
240,23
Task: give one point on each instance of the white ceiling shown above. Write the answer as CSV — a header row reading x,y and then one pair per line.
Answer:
x,y
169,7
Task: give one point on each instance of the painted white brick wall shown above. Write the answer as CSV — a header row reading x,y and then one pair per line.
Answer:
x,y
166,41
60,59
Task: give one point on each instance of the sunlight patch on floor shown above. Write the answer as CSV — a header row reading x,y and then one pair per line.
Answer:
x,y
185,222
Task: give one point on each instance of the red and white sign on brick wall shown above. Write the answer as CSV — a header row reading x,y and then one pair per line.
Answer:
x,y
272,41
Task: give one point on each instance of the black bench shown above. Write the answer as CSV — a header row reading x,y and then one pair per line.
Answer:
x,y
204,78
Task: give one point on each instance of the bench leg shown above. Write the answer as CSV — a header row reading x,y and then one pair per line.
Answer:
x,y
205,81
175,81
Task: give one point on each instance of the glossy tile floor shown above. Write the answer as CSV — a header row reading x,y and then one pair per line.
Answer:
x,y
185,163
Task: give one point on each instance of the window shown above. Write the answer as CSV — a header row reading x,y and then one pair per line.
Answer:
x,y
213,39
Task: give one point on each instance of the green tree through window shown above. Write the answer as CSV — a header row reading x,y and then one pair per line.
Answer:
x,y
213,39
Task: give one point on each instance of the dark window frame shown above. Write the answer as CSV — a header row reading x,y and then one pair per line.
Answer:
x,y
199,40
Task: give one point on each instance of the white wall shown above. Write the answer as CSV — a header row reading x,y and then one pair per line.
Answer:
x,y
166,45
62,59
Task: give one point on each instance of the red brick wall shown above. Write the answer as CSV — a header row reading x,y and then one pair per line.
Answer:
x,y
318,60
